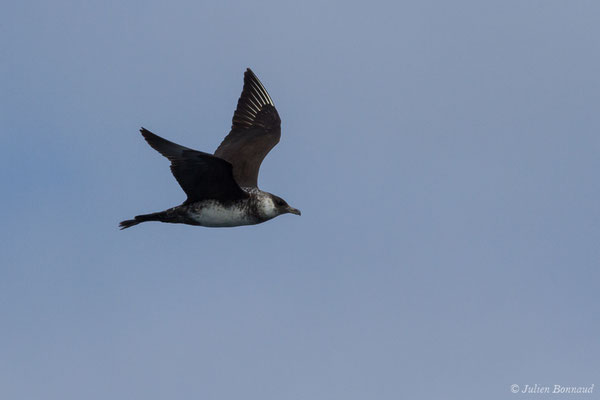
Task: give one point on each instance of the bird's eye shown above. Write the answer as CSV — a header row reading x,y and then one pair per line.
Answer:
x,y
280,202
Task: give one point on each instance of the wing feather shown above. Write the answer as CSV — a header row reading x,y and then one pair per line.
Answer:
x,y
200,175
255,130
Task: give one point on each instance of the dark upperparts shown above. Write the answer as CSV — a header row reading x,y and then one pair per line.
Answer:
x,y
200,175
255,130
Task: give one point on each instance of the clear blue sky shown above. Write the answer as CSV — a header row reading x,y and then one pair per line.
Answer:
x,y
445,157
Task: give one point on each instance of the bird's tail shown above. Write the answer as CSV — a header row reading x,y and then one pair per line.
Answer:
x,y
157,216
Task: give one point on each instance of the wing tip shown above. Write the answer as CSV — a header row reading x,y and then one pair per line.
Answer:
x,y
249,76
255,90
149,136
253,102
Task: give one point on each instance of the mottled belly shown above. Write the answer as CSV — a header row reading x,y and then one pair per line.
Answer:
x,y
215,214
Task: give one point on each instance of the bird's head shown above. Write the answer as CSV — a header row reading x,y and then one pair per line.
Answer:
x,y
273,206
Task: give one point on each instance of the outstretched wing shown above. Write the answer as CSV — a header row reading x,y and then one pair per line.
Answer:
x,y
200,175
256,129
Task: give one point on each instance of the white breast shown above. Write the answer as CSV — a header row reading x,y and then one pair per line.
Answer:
x,y
216,215
266,207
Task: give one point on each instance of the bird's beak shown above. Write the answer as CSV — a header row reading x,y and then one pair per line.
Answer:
x,y
294,211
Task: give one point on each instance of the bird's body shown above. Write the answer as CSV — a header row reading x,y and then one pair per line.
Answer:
x,y
257,208
222,188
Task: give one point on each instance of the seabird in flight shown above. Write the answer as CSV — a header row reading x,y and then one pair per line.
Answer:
x,y
222,188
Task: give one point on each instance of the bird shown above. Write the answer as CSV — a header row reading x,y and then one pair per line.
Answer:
x,y
222,188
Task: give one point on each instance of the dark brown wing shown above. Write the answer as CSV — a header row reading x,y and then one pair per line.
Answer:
x,y
201,175
255,131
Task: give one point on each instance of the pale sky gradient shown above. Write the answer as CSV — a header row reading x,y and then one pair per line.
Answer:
x,y
445,157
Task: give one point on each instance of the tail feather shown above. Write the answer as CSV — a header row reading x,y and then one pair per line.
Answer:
x,y
157,216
